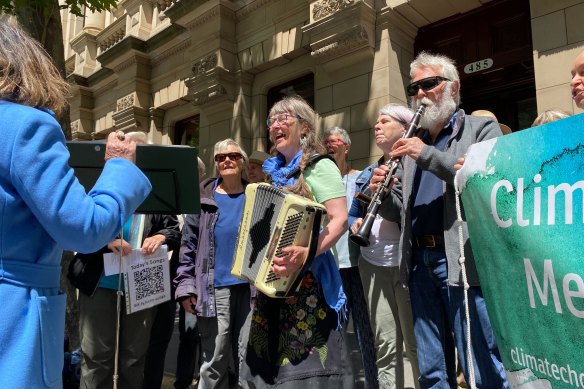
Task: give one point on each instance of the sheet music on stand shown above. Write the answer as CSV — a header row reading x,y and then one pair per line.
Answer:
x,y
146,277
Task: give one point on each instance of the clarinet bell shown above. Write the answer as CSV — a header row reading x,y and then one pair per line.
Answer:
x,y
361,237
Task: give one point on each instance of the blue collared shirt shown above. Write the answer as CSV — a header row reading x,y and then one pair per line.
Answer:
x,y
428,190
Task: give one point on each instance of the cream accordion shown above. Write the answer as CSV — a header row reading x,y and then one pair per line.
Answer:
x,y
273,219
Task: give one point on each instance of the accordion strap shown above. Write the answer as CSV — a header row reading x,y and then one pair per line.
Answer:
x,y
295,173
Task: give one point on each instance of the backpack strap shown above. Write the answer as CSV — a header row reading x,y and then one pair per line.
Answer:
x,y
295,173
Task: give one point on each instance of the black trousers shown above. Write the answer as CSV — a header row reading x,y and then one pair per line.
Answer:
x,y
189,358
160,336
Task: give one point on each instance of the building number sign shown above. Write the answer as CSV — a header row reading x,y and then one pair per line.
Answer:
x,y
477,66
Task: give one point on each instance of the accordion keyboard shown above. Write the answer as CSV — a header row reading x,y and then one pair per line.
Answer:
x,y
273,219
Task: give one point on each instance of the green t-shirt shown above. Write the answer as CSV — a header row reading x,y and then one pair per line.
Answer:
x,y
324,181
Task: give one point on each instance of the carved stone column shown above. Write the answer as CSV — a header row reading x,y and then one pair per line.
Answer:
x,y
77,132
139,22
130,117
157,130
128,59
156,116
85,44
94,21
82,106
210,84
341,32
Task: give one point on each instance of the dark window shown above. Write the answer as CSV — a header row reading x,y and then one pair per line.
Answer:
x,y
186,132
302,86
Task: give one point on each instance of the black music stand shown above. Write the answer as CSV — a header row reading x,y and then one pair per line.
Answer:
x,y
172,171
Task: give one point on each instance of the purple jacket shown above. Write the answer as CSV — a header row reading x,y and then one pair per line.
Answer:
x,y
195,273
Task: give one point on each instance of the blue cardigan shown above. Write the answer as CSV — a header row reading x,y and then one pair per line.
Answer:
x,y
43,210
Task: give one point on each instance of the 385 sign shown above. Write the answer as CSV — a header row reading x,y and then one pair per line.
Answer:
x,y
477,66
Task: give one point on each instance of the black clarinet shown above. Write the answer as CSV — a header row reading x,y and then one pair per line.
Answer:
x,y
361,237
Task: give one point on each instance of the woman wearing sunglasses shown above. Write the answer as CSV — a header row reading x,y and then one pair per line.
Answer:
x,y
204,284
296,342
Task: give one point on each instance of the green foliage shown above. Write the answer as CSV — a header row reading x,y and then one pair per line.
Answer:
x,y
75,6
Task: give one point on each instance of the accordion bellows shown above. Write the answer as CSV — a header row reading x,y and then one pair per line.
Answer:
x,y
273,219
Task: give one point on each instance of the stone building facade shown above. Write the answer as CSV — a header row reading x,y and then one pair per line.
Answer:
x,y
198,71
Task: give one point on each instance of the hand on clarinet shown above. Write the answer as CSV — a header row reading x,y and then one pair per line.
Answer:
x,y
291,260
411,147
378,177
356,225
189,304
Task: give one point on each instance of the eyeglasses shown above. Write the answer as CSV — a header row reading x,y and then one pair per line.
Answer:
x,y
425,83
333,142
231,156
281,118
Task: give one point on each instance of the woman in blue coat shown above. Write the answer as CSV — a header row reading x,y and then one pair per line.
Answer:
x,y
44,209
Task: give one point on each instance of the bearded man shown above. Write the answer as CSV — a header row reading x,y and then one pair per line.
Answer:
x,y
430,244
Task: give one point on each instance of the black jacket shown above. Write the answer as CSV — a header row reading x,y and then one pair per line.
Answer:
x,y
86,269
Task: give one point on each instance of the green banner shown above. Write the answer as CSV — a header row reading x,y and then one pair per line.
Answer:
x,y
523,198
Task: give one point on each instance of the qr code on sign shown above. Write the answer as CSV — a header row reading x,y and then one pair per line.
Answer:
x,y
149,281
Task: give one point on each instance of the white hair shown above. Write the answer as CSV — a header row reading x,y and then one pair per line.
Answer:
x,y
400,113
340,132
441,63
224,144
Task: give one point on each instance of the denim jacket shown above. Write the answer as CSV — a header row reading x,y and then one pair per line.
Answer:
x,y
358,208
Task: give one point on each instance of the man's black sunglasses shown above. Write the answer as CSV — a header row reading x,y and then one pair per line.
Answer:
x,y
425,83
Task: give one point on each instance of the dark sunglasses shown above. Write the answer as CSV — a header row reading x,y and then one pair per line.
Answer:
x,y
425,83
231,156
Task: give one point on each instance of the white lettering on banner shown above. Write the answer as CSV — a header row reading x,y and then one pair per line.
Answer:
x,y
507,185
567,189
533,363
522,217
549,280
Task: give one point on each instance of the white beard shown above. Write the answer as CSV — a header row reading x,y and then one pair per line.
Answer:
x,y
436,114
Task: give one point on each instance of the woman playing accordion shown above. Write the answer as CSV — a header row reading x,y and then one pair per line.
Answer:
x,y
296,342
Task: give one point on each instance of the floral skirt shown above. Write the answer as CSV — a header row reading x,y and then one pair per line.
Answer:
x,y
294,339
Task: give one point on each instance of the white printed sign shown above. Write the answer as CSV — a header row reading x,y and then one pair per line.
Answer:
x,y
146,277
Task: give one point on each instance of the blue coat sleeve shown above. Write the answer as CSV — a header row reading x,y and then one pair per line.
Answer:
x,y
75,220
